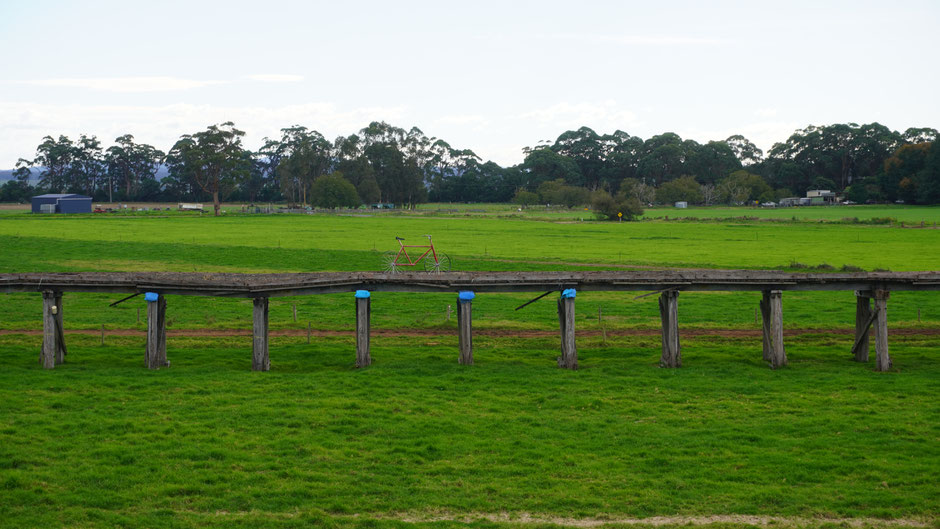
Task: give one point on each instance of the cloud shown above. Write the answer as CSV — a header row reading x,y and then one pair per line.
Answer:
x,y
606,115
22,125
123,84
276,78
651,40
768,112
624,40
475,121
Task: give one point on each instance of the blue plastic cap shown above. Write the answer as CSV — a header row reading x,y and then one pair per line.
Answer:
x,y
568,293
363,294
151,296
465,295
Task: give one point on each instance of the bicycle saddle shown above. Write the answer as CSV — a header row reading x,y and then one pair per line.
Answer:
x,y
400,238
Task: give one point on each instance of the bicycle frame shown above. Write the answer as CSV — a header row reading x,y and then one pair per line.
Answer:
x,y
402,251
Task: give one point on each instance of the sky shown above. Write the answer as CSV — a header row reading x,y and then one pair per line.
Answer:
x,y
493,77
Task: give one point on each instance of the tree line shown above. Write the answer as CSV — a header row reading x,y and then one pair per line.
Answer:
x,y
384,163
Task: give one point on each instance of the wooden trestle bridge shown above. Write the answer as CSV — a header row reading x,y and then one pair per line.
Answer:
x,y
868,287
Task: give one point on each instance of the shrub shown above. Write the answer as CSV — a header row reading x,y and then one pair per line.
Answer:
x,y
607,207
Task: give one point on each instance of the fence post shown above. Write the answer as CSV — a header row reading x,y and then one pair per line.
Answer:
x,y
49,335
669,314
155,356
260,361
569,350
772,311
363,315
465,327
882,358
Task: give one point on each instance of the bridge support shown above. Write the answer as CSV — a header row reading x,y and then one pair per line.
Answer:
x,y
882,358
465,327
363,316
771,308
863,321
155,356
259,331
669,313
569,350
53,349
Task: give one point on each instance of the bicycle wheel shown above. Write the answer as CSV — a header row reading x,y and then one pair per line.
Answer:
x,y
390,262
442,264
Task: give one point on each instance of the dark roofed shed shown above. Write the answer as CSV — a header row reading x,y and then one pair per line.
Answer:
x,y
62,203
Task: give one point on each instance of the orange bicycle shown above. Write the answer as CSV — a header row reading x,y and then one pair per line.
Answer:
x,y
434,261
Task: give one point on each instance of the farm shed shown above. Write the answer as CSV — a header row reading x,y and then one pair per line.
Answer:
x,y
61,203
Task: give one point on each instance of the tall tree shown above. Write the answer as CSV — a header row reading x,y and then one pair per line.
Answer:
x,y
129,164
306,155
213,159
55,157
745,151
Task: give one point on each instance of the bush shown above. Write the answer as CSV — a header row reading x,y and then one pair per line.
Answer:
x,y
525,198
681,189
333,191
606,207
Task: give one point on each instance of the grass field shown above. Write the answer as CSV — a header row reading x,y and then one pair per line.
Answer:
x,y
417,440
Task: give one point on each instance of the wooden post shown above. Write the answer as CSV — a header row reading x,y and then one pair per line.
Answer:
x,y
772,311
465,327
882,358
60,350
569,350
259,345
49,335
155,357
294,309
669,313
862,324
363,316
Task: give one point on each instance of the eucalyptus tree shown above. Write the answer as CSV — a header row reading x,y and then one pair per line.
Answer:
x,y
744,150
306,155
213,159
130,164
55,157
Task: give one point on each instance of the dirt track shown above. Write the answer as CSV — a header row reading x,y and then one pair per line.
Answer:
x,y
495,333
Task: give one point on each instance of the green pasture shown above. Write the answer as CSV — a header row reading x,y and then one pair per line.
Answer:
x,y
912,215
333,243
102,442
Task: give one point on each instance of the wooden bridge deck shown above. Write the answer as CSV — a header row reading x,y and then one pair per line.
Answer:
x,y
274,285
868,286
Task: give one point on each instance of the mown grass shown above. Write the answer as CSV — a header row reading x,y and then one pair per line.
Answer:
x,y
297,243
101,442
328,243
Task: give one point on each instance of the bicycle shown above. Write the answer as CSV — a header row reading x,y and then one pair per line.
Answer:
x,y
435,262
